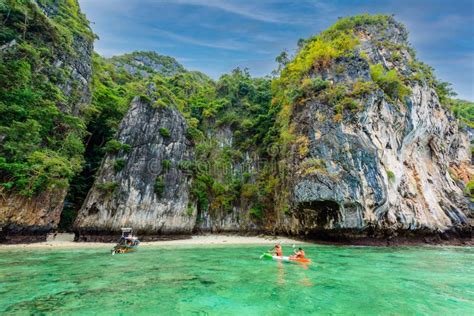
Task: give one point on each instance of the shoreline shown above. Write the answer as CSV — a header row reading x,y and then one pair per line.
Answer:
x,y
195,240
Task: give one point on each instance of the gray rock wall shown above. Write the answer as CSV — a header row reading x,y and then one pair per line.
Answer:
x,y
385,168
128,197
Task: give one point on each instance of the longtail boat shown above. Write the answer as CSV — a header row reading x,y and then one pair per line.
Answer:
x,y
127,243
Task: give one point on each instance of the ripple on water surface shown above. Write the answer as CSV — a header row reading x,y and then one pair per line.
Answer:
x,y
232,280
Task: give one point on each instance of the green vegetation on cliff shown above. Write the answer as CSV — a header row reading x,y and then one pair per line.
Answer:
x,y
300,78
50,138
389,81
236,123
463,110
41,134
236,101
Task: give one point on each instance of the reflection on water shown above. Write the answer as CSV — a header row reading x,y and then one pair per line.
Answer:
x,y
303,267
232,280
281,273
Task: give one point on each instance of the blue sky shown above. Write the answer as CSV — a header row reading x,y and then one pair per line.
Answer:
x,y
217,36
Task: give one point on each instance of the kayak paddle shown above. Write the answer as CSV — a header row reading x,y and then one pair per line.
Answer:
x,y
270,250
265,253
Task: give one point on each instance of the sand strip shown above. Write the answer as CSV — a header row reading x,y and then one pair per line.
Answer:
x,y
204,240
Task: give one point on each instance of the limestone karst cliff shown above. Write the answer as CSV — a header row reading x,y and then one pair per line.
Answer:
x,y
140,183
353,137
372,148
46,70
363,147
215,195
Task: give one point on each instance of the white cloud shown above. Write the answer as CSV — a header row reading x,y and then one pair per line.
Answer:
x,y
222,44
241,8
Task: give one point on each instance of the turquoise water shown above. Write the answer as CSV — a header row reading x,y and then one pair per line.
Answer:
x,y
233,281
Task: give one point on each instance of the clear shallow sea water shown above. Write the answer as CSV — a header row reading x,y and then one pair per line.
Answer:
x,y
233,281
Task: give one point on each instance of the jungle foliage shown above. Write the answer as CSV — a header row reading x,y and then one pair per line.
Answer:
x,y
41,136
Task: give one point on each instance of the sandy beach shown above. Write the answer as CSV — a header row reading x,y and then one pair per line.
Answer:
x,y
66,241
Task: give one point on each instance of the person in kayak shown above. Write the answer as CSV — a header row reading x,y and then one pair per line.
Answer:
x,y
277,250
299,254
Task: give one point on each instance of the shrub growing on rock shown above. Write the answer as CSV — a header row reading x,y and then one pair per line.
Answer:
x,y
108,187
114,146
389,81
165,132
159,186
390,175
119,164
166,165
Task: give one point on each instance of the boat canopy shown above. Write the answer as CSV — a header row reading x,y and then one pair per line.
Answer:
x,y
126,231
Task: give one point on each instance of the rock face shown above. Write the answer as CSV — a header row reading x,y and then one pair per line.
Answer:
x,y
76,63
384,170
20,215
141,185
148,63
26,219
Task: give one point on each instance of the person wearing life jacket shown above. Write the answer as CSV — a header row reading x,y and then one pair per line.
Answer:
x,y
277,250
299,254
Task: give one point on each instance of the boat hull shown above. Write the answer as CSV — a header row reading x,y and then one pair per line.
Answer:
x,y
285,258
122,249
